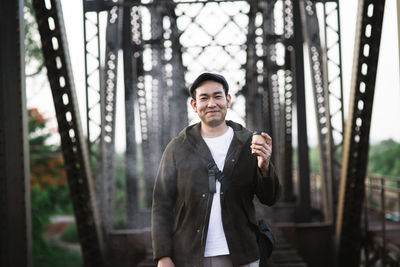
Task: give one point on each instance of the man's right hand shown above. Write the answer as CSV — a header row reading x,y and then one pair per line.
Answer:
x,y
165,262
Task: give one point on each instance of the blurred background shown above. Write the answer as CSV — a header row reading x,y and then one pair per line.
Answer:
x,y
104,89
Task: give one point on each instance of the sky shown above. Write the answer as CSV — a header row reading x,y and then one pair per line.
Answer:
x,y
386,110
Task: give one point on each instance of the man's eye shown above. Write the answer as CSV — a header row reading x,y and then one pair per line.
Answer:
x,y
203,98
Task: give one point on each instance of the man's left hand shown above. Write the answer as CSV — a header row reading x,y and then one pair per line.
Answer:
x,y
263,151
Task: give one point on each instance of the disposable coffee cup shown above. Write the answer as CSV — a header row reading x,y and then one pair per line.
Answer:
x,y
257,136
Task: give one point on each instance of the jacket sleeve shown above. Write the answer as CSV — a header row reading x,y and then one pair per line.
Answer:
x,y
164,195
268,188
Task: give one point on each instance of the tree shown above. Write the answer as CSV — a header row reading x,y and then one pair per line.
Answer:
x,y
47,165
49,190
384,158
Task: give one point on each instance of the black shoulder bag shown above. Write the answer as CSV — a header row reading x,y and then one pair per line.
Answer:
x,y
266,242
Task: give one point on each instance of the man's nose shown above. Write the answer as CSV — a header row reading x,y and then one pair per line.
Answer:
x,y
211,102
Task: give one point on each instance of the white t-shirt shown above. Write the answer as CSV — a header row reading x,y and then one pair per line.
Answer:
x,y
216,241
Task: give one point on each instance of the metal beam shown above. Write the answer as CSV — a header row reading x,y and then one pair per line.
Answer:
x,y
304,209
332,58
254,118
321,103
287,114
271,108
287,128
159,102
106,173
94,93
356,141
98,5
180,94
73,144
130,78
15,206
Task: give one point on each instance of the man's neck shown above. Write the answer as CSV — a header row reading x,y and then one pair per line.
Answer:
x,y
211,132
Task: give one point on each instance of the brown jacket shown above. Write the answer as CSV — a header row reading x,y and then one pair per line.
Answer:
x,y
182,202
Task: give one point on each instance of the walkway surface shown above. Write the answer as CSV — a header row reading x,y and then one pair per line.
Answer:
x,y
56,228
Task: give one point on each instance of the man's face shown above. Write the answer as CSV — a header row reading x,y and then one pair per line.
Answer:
x,y
211,103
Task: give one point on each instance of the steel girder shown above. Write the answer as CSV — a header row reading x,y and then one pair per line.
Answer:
x,y
15,208
169,110
101,93
263,89
106,168
100,81
304,209
74,149
333,65
159,104
275,102
356,141
269,100
272,95
325,64
253,89
93,82
174,74
321,101
287,111
167,85
133,69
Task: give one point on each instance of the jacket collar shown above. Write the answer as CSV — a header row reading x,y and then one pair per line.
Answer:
x,y
193,133
240,132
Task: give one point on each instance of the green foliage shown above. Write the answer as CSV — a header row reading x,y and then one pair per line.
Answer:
x,y
120,218
313,157
49,193
45,255
40,217
384,158
57,257
71,234
46,165
313,153
120,194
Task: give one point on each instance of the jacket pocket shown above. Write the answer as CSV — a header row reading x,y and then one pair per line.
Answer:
x,y
178,218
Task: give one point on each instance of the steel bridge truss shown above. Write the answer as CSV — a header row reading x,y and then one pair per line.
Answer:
x,y
157,70
257,45
327,85
165,45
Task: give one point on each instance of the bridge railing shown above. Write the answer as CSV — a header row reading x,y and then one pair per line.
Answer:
x,y
381,213
383,196
382,199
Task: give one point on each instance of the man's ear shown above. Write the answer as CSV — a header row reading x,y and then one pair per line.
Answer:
x,y
193,104
228,100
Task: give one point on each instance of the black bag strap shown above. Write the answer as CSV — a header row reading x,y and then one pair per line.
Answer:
x,y
214,174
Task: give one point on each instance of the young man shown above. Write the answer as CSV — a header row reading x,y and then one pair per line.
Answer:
x,y
203,212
